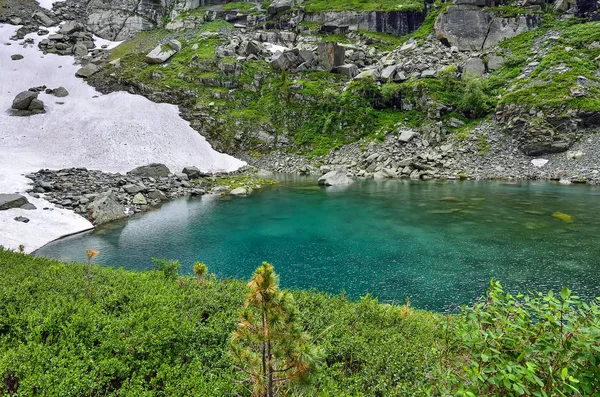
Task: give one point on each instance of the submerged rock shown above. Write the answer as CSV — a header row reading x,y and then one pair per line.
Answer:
x,y
334,178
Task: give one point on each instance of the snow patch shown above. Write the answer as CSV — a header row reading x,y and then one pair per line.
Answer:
x,y
113,133
539,162
47,4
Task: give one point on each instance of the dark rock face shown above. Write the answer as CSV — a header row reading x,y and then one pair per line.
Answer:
x,y
393,22
8,201
586,8
154,170
330,55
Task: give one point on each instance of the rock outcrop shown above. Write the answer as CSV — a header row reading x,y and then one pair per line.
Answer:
x,y
393,22
471,27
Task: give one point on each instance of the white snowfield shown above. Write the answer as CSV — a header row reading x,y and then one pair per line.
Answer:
x,y
47,4
115,133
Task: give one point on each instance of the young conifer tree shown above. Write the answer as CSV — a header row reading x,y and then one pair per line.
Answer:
x,y
269,345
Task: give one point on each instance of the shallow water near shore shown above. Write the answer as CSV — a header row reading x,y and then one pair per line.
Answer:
x,y
436,243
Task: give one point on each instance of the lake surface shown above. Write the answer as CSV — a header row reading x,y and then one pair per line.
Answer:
x,y
437,243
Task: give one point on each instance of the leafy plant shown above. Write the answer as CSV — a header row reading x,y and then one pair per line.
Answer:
x,y
91,254
269,345
168,267
200,271
534,345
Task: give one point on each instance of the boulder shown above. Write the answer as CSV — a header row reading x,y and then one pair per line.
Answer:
x,y
80,50
241,191
334,178
388,72
22,219
43,19
139,199
284,61
156,195
330,55
87,71
278,6
154,170
473,67
70,27
350,70
16,57
162,52
60,92
406,136
105,208
8,201
24,99
133,189
494,62
193,172
36,106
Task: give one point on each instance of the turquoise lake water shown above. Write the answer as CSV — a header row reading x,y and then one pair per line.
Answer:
x,y
437,243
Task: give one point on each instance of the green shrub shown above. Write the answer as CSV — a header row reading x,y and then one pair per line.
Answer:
x,y
534,345
169,268
474,102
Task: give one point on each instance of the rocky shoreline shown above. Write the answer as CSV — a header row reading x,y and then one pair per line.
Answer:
x,y
103,197
488,154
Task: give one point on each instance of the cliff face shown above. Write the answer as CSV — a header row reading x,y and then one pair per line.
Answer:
x,y
123,19
392,22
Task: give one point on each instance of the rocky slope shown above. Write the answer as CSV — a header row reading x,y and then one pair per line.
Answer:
x,y
296,85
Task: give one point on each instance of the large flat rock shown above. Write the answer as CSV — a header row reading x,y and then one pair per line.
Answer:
x,y
8,201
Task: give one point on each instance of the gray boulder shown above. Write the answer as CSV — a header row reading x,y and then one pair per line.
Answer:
x,y
278,6
16,57
80,50
494,62
154,170
330,55
24,99
406,136
473,67
335,178
70,27
388,72
350,70
285,61
36,106
162,52
156,195
105,208
43,19
133,189
87,71
193,172
8,201
60,92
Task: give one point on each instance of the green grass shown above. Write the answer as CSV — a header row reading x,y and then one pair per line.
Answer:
x,y
314,6
141,334
239,6
142,43
550,84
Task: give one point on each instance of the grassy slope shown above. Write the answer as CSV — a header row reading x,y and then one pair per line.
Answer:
x,y
362,5
143,335
313,111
